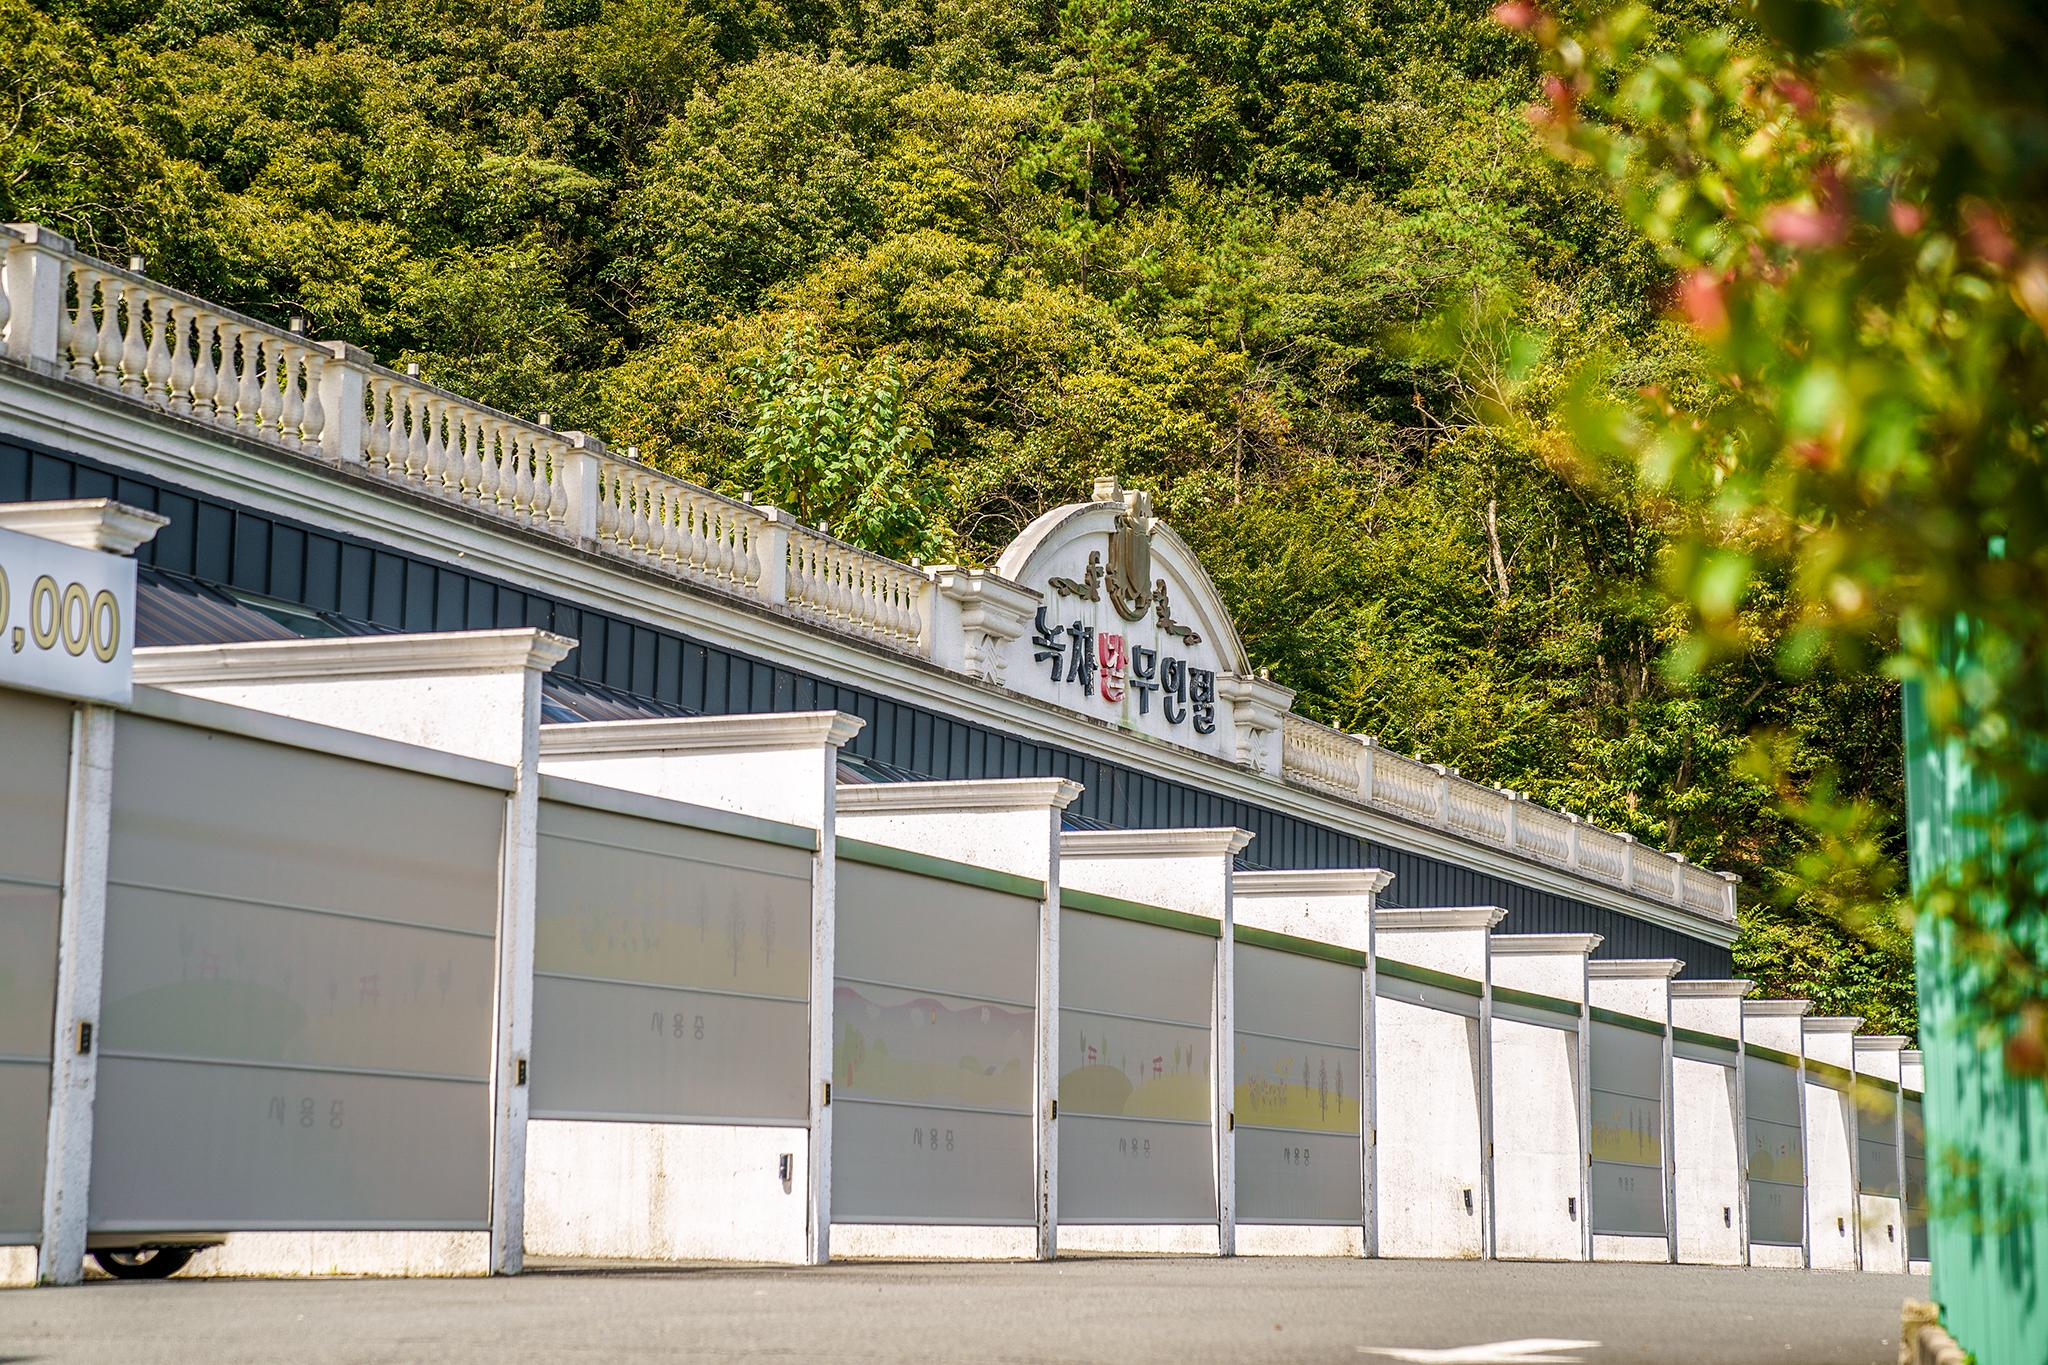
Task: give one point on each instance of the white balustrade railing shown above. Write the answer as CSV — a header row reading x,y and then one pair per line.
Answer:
x,y
689,531
1404,785
1707,891
1473,809
1544,833
1656,873
1358,768
121,331
1317,756
72,316
436,442
846,588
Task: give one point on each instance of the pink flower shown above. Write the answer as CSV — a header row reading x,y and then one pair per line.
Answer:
x,y
1518,15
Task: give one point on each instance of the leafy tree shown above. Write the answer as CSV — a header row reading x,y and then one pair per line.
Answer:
x,y
835,442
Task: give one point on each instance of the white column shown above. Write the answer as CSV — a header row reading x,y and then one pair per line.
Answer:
x,y
1333,907
710,1199
1432,1080
1711,1209
81,942
475,693
1540,1110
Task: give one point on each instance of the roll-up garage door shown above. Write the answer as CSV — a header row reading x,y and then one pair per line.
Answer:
x,y
672,967
1299,1023
35,749
934,1016
1627,1091
299,990
1877,1137
1137,1135
1777,1162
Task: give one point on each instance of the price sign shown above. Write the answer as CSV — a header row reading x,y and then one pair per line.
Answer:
x,y
67,619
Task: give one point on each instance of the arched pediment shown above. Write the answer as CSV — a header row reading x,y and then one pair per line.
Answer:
x,y
1131,629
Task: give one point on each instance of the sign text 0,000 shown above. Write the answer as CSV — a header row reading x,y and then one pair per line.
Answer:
x,y
67,619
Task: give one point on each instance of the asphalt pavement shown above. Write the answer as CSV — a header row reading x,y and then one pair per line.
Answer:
x,y
1131,1312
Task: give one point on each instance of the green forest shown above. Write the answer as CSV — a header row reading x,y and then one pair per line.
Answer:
x,y
921,269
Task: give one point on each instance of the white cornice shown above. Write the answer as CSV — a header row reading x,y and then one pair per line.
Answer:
x,y
1385,920
1732,989
101,524
190,456
988,795
1910,1056
1832,1023
353,657
1153,843
1882,1042
701,734
1634,968
1775,1009
1345,881
1544,945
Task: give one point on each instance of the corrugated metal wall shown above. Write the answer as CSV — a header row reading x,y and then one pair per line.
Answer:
x,y
274,557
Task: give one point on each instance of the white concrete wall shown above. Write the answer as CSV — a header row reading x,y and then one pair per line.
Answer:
x,y
1430,1092
1539,1117
1188,870
1280,1239
1883,1218
1537,1164
1006,825
475,693
653,1191
1706,1129
1430,1172
666,1192
17,1267
1707,1162
1832,1218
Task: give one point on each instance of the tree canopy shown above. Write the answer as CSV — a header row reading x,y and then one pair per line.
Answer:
x,y
924,268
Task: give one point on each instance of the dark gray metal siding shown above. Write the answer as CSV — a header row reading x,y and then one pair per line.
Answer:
x,y
273,557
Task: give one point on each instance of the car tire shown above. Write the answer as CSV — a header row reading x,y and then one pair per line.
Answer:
x,y
144,1263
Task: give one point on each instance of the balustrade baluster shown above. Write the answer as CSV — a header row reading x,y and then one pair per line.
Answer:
x,y
313,417
467,478
434,454
133,358
248,392
107,356
376,430
184,372
293,412
414,466
204,372
270,391
76,336
157,360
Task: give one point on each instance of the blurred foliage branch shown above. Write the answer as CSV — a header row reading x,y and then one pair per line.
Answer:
x,y
1853,199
